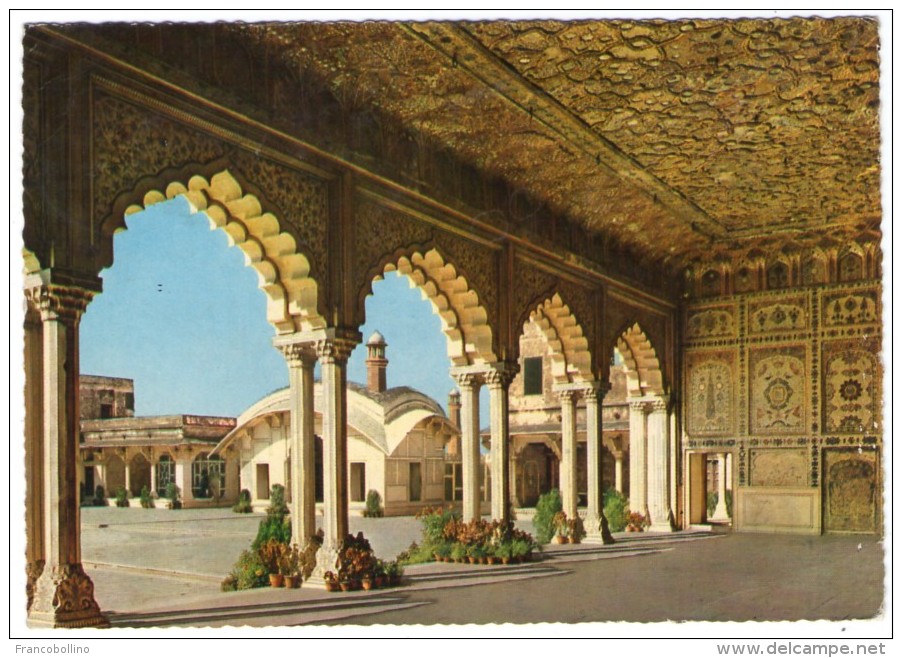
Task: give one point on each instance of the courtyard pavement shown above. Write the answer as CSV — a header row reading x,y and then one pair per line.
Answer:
x,y
156,568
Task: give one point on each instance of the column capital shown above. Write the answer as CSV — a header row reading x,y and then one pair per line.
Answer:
x,y
501,374
334,350
59,302
638,406
595,391
568,394
298,355
467,380
659,404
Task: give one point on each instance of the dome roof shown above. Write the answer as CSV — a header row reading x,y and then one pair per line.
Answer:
x,y
376,339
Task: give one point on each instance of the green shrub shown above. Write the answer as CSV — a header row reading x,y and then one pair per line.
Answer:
x,y
615,510
249,571
434,521
373,504
712,503
243,506
415,554
99,499
549,504
277,506
146,498
121,497
173,494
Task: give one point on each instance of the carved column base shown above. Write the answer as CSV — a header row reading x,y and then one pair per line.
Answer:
x,y
326,559
667,525
64,598
597,530
33,571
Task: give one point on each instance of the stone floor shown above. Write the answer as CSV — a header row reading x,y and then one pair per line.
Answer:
x,y
155,568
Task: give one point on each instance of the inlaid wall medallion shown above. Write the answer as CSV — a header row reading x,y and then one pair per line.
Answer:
x,y
850,389
778,468
710,398
850,308
711,323
777,401
851,499
785,315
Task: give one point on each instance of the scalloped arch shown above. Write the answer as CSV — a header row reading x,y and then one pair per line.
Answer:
x,y
464,320
571,360
644,376
282,271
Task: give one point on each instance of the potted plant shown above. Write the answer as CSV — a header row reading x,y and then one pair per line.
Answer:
x,y
379,576
146,498
394,571
290,567
636,522
503,552
458,552
331,581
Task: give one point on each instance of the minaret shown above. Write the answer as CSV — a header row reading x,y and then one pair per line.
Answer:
x,y
376,363
454,408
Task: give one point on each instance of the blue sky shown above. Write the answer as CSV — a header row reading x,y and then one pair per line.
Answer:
x,y
183,317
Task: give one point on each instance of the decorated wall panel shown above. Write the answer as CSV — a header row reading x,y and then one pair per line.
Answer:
x,y
851,498
778,468
770,316
778,398
710,394
851,387
712,322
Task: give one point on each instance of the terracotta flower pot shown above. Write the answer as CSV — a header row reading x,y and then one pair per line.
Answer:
x,y
559,539
574,540
276,580
332,586
367,584
345,586
505,560
292,582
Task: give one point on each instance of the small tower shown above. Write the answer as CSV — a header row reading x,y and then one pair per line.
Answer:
x,y
376,363
454,408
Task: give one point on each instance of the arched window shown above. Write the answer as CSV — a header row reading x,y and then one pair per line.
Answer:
x,y
165,473
777,276
207,476
851,267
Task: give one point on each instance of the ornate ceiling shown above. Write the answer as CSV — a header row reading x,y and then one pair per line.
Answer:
x,y
671,136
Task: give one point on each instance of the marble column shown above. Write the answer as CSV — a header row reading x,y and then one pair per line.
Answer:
x,y
498,380
63,593
618,471
333,356
658,460
569,496
596,524
153,474
301,360
720,511
469,412
638,493
34,448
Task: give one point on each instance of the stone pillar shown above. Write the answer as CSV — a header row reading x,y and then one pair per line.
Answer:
x,y
498,380
569,496
301,359
658,461
63,593
469,411
128,473
618,471
596,524
153,474
638,494
720,512
34,448
183,476
333,355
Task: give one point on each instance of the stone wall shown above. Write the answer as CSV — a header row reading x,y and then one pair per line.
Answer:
x,y
789,381
117,394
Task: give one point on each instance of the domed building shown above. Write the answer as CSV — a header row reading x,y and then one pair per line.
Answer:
x,y
401,444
